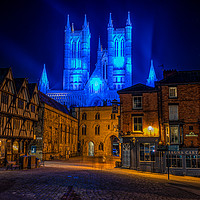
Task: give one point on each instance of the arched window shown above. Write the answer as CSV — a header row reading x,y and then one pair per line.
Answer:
x,y
84,129
79,49
97,130
84,116
101,146
73,49
97,116
122,47
116,48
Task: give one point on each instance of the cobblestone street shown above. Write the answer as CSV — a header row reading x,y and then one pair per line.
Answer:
x,y
68,180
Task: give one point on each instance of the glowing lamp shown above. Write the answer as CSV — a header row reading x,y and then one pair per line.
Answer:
x,y
150,128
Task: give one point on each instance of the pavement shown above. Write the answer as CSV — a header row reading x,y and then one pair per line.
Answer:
x,y
89,179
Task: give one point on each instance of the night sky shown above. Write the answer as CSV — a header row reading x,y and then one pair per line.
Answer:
x,y
32,33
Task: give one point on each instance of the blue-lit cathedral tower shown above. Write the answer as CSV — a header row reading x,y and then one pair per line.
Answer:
x,y
113,68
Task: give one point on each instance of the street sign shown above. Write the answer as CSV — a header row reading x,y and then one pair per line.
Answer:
x,y
173,148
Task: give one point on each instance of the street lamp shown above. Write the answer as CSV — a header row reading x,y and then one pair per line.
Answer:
x,y
150,128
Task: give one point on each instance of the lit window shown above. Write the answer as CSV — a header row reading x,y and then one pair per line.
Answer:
x,y
173,112
192,161
137,102
172,92
174,134
147,152
137,123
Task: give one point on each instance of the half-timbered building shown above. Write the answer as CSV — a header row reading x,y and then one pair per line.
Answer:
x,y
18,112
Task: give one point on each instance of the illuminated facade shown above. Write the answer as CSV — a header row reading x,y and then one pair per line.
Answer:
x,y
113,68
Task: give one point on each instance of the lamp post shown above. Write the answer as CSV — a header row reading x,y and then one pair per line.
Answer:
x,y
150,128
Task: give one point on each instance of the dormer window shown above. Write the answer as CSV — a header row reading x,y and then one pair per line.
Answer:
x,y
172,92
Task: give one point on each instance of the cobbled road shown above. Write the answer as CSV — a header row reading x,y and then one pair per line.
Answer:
x,y
78,182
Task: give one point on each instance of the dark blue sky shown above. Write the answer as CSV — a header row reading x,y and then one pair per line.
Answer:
x,y
32,33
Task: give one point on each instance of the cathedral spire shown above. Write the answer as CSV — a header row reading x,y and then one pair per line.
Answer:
x,y
110,24
152,76
44,83
128,22
85,22
68,23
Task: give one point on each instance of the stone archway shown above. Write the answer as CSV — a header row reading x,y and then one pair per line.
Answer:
x,y
90,148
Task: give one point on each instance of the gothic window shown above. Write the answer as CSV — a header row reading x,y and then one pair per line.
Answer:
x,y
84,130
79,49
84,116
73,49
101,146
97,130
116,48
97,116
122,48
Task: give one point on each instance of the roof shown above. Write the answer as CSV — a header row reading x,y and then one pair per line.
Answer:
x,y
3,73
182,77
31,88
136,88
51,102
18,83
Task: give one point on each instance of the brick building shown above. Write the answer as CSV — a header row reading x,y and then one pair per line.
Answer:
x,y
98,131
56,131
164,117
18,114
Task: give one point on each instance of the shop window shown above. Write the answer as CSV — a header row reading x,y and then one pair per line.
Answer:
x,y
137,102
137,123
97,130
147,152
192,161
84,116
101,146
175,161
172,92
173,112
174,134
97,116
84,130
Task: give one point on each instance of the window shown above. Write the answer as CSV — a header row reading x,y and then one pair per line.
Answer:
x,y
173,112
172,92
108,126
84,116
1,121
192,161
20,104
97,116
191,128
33,108
167,133
137,123
147,152
84,130
97,130
116,48
4,98
101,146
174,134
112,116
175,161
137,102
122,48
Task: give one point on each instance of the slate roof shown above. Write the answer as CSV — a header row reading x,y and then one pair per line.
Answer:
x,y
51,102
182,77
136,88
3,73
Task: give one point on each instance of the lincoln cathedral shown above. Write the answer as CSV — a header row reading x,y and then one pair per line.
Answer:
x,y
113,68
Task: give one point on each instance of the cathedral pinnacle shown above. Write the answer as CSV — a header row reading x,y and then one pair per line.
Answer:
x,y
152,76
99,46
72,27
68,23
110,24
128,22
85,23
44,83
